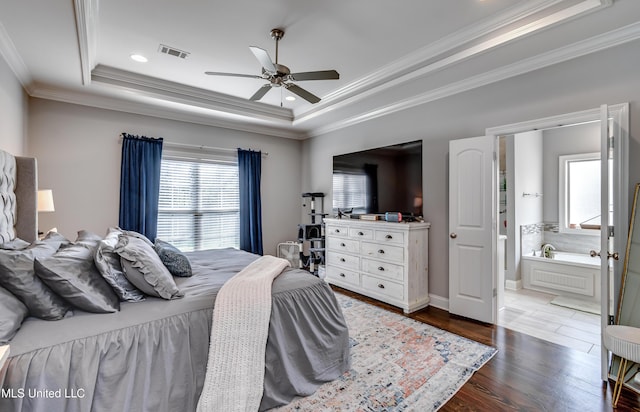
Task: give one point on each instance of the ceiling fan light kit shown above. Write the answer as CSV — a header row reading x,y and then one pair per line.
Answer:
x,y
279,75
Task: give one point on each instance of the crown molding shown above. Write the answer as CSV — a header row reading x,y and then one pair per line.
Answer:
x,y
156,110
86,14
424,61
13,59
180,93
583,116
594,44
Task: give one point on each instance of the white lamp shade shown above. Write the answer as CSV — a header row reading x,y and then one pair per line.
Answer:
x,y
45,201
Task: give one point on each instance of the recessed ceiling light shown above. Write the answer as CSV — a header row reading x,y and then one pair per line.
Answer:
x,y
290,98
139,58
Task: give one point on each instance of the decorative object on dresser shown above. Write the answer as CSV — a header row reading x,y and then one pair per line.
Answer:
x,y
386,261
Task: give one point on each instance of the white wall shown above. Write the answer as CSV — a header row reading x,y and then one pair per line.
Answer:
x,y
13,112
527,179
564,88
576,139
78,154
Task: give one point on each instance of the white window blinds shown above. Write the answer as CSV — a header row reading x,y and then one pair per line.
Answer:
x,y
350,191
198,206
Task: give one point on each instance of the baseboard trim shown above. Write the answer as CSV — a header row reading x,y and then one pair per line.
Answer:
x,y
439,302
513,284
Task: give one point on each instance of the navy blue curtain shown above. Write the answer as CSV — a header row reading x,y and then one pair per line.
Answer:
x,y
249,169
140,184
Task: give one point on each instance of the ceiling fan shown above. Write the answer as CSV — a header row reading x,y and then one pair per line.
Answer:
x,y
279,75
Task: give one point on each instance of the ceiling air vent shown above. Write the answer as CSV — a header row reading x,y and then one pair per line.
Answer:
x,y
172,51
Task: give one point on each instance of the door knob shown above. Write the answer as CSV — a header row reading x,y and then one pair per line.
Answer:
x,y
453,235
614,255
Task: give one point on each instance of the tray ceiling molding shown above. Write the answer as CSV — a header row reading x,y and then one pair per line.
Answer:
x,y
148,108
582,48
425,60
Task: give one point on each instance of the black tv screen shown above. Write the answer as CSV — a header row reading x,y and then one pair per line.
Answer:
x,y
376,181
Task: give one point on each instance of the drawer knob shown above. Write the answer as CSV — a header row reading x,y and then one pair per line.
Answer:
x,y
342,260
380,285
360,234
381,251
380,268
389,237
342,275
337,230
342,244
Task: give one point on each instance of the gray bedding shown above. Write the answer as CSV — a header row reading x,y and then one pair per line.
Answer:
x,y
152,355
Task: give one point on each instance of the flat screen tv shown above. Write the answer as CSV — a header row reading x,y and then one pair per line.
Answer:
x,y
380,180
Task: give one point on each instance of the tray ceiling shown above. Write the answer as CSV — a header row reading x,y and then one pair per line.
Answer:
x,y
390,55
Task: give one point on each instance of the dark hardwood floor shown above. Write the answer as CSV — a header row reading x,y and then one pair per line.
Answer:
x,y
527,373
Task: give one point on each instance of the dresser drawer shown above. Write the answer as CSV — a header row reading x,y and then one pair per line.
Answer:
x,y
361,233
331,230
343,260
389,237
383,287
381,251
343,275
383,269
344,245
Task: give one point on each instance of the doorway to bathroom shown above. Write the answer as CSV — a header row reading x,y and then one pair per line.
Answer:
x,y
549,205
549,219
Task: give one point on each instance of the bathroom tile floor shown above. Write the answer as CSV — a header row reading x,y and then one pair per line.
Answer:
x,y
532,313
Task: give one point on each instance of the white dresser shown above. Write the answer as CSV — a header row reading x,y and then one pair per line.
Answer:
x,y
384,260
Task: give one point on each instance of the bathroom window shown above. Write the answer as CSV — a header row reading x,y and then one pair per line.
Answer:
x,y
579,194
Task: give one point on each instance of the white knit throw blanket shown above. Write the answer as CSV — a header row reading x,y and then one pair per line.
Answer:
x,y
239,330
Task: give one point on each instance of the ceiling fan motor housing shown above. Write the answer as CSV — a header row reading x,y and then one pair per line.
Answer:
x,y
277,34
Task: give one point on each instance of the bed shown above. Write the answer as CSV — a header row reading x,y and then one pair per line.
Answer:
x,y
152,355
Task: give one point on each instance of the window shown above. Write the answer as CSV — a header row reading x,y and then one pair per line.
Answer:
x,y
350,191
199,204
579,196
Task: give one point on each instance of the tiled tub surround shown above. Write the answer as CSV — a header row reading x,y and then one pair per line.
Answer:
x,y
532,237
571,271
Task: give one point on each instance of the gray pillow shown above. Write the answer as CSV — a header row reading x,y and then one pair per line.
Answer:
x,y
72,274
173,259
144,269
108,263
17,275
12,313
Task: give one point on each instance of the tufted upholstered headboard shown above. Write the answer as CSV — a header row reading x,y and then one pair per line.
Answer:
x,y
18,198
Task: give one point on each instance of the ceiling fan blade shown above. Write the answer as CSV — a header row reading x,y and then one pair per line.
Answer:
x,y
263,58
319,75
261,92
311,98
252,76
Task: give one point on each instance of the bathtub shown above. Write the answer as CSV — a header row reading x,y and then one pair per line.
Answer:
x,y
567,274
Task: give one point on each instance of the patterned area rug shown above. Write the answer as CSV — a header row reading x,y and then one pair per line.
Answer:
x,y
397,364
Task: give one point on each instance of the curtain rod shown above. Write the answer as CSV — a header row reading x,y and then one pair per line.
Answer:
x,y
172,145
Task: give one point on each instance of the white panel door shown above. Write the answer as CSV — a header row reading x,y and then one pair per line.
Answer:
x,y
606,200
472,228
